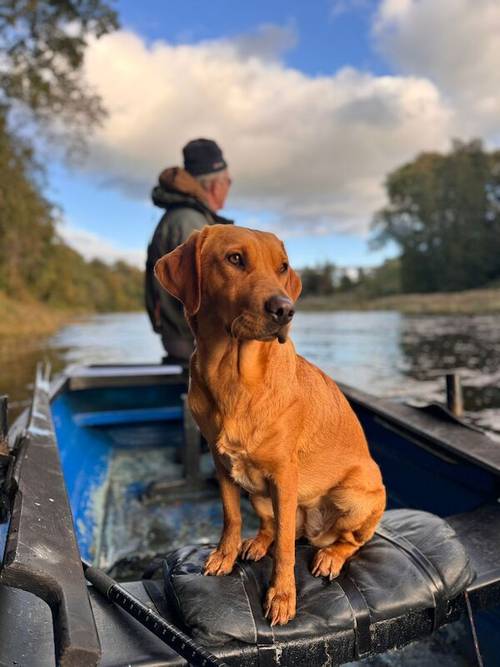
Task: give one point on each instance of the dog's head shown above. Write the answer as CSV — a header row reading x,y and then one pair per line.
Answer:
x,y
237,275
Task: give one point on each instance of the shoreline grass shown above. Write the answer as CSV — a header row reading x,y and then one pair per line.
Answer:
x,y
31,318
470,302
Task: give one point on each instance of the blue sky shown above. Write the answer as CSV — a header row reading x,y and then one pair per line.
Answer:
x,y
313,103
330,34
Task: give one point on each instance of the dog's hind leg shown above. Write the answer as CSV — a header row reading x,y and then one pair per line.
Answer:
x,y
257,547
328,561
343,539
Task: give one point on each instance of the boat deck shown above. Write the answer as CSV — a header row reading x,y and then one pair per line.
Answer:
x,y
121,459
122,429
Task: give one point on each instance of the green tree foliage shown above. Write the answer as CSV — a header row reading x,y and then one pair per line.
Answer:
x,y
328,279
384,280
42,45
34,262
319,280
444,214
21,209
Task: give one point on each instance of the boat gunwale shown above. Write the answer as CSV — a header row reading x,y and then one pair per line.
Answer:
x,y
450,436
28,563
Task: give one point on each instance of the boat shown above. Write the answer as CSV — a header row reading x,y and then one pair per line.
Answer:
x,y
108,467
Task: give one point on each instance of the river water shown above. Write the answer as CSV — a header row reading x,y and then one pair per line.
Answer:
x,y
385,353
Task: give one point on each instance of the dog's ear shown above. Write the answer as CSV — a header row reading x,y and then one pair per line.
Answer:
x,y
293,285
179,272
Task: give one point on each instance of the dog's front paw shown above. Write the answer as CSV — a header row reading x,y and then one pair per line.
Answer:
x,y
280,605
327,563
220,562
254,549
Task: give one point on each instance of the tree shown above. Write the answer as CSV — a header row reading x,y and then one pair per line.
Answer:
x,y
319,280
42,45
34,263
346,283
26,218
383,280
444,213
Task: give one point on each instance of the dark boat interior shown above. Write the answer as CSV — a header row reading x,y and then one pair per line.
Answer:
x,y
109,464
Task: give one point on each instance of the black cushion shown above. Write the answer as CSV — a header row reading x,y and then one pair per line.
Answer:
x,y
414,562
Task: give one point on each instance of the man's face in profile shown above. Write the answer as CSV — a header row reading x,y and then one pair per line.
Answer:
x,y
221,188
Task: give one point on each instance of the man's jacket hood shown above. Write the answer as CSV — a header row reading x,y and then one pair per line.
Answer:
x,y
176,187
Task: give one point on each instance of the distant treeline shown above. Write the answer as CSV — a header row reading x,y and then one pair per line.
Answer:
x,y
444,215
327,280
34,262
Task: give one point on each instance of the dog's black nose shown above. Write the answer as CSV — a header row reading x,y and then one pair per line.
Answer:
x,y
280,308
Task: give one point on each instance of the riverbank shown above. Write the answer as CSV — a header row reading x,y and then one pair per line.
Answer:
x,y
30,318
471,302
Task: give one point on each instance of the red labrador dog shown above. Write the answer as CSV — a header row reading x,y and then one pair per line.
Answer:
x,y
277,426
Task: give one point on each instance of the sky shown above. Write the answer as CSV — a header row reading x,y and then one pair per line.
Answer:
x,y
313,103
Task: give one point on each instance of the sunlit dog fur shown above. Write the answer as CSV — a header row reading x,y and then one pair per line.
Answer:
x,y
277,426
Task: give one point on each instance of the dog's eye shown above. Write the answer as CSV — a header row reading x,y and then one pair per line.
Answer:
x,y
284,267
235,258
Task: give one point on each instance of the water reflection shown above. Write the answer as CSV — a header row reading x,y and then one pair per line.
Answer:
x,y
407,357
467,345
361,349
438,344
18,360
385,353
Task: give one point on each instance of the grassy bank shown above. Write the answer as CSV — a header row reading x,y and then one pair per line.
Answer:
x,y
471,302
30,318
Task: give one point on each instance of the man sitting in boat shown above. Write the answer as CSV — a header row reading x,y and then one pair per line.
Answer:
x,y
191,196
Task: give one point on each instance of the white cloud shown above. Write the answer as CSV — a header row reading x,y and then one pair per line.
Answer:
x,y
340,7
268,42
391,10
456,45
312,151
94,246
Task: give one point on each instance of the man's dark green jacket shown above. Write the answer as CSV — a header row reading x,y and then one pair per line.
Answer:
x,y
183,198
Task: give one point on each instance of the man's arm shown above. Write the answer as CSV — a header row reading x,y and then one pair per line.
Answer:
x,y
151,297
176,229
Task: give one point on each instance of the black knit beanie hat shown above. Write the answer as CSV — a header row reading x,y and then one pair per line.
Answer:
x,y
203,156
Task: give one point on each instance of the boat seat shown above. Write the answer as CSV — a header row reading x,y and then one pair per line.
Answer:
x,y
406,580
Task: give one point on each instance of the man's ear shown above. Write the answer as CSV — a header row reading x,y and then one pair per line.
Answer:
x,y
293,285
179,272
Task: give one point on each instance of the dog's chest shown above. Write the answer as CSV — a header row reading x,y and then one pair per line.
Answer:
x,y
241,469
